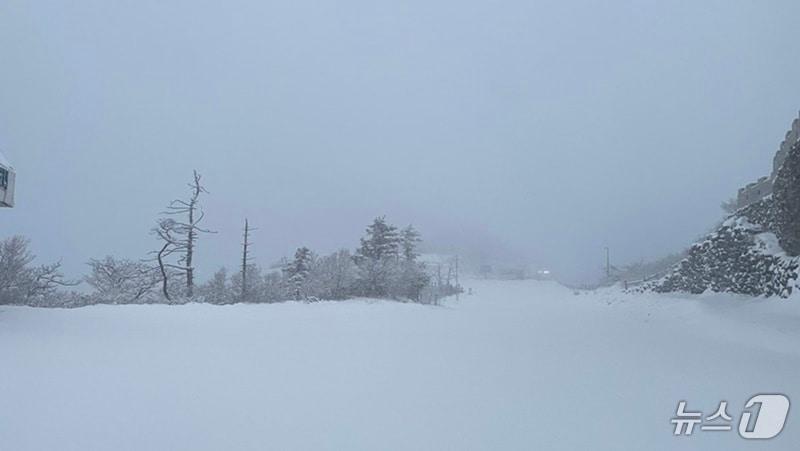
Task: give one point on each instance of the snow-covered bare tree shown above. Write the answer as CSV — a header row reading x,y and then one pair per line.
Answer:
x,y
244,294
121,281
21,283
179,236
333,276
45,280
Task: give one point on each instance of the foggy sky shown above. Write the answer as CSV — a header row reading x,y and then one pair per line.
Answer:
x,y
552,129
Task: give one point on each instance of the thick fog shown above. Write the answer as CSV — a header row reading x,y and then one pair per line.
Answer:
x,y
528,130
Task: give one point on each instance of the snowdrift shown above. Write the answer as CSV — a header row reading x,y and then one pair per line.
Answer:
x,y
519,365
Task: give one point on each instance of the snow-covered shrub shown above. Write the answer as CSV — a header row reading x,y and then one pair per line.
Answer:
x,y
272,287
217,290
332,276
245,287
21,283
122,281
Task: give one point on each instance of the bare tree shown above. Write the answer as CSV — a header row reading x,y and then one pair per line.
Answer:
x,y
180,236
246,259
21,283
121,281
45,280
164,231
333,276
15,259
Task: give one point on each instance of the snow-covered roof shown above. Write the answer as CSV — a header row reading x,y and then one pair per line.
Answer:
x,y
3,161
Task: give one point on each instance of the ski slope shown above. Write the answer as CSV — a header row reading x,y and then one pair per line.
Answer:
x,y
516,366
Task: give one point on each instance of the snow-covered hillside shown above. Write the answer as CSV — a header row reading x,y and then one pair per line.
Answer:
x,y
516,366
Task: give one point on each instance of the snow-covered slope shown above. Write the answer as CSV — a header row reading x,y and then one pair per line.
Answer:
x,y
739,257
517,366
756,251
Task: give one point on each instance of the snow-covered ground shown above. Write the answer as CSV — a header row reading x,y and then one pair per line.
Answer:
x,y
516,366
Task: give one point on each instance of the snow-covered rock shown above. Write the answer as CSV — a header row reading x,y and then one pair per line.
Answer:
x,y
739,257
747,253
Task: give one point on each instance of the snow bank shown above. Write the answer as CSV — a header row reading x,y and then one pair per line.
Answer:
x,y
519,365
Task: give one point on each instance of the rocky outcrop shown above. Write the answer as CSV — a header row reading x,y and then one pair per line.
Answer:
x,y
786,204
754,252
740,257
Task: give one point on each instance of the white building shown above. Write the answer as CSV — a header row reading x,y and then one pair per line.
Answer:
x,y
7,179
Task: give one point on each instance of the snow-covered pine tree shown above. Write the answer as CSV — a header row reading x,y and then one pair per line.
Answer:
x,y
254,281
409,240
378,258
217,290
381,241
297,271
413,277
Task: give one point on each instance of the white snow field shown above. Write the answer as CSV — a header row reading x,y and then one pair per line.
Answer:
x,y
516,366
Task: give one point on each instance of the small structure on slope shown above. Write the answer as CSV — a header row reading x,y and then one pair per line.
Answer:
x,y
7,179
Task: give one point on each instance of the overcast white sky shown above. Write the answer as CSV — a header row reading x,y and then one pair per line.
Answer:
x,y
555,128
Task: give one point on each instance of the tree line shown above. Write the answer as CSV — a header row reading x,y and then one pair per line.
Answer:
x,y
385,265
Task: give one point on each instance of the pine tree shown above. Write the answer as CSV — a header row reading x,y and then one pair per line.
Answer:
x,y
297,271
378,258
409,239
254,280
412,277
217,290
381,242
